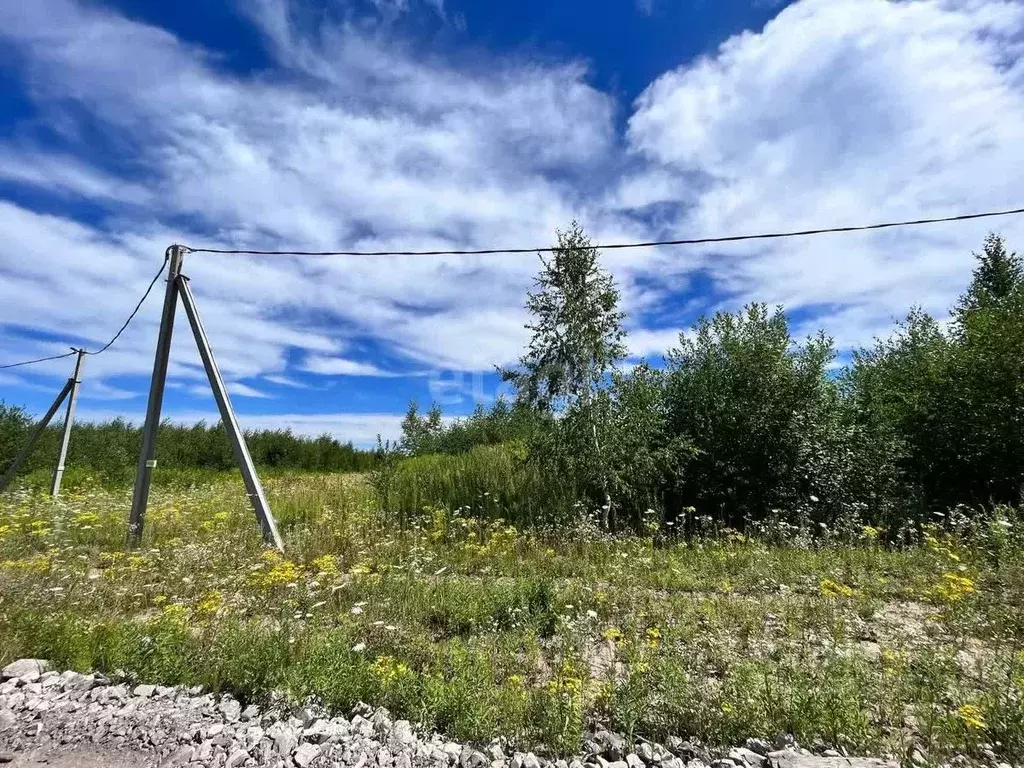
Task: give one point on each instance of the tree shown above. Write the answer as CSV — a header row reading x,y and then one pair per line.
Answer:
x,y
577,329
420,434
577,340
757,410
997,277
949,402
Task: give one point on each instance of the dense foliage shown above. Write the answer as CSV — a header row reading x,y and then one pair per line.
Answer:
x,y
110,450
738,426
745,426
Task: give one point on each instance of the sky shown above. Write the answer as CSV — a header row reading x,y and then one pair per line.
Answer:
x,y
128,125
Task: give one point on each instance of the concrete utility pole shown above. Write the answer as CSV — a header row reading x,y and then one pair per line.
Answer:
x,y
147,455
177,285
227,417
69,388
69,419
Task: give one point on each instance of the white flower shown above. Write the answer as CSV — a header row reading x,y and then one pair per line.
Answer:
x,y
359,647
356,610
592,614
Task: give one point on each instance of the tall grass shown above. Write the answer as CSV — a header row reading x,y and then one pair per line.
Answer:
x,y
489,482
486,630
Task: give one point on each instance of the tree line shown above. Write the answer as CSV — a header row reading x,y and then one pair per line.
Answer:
x,y
738,425
110,450
742,425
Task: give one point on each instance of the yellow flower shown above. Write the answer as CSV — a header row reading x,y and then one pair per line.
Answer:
x,y
970,715
612,633
953,588
727,708
831,588
211,603
35,564
282,571
176,615
653,637
388,670
327,564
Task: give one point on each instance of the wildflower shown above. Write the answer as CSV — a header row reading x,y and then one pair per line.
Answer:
x,y
327,564
388,670
612,633
831,588
282,571
953,588
971,716
211,603
359,647
653,637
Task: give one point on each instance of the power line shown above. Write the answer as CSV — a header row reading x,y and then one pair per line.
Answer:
x,y
613,246
545,249
37,360
110,343
135,311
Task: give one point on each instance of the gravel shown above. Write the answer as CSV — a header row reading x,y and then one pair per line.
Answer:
x,y
69,718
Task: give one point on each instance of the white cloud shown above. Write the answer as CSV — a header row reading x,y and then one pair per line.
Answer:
x,y
286,381
839,111
361,428
379,150
844,112
340,366
39,168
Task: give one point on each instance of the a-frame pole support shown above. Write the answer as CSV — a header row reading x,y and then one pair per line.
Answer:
x,y
227,417
177,285
69,420
34,438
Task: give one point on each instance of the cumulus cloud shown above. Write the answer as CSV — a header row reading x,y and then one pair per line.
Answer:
x,y
837,112
842,112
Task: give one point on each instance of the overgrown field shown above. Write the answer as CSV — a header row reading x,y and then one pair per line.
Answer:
x,y
482,630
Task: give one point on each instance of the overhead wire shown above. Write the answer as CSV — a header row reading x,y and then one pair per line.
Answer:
x,y
543,249
37,360
110,343
614,246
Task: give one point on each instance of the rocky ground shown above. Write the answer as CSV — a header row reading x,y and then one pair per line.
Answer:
x,y
65,719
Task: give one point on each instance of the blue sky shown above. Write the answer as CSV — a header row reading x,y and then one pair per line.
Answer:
x,y
414,124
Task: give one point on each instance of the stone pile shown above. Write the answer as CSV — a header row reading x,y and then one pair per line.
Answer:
x,y
43,711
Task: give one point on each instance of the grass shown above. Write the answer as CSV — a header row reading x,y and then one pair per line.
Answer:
x,y
473,627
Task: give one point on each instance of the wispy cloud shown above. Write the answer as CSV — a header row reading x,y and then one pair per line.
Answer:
x,y
838,111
